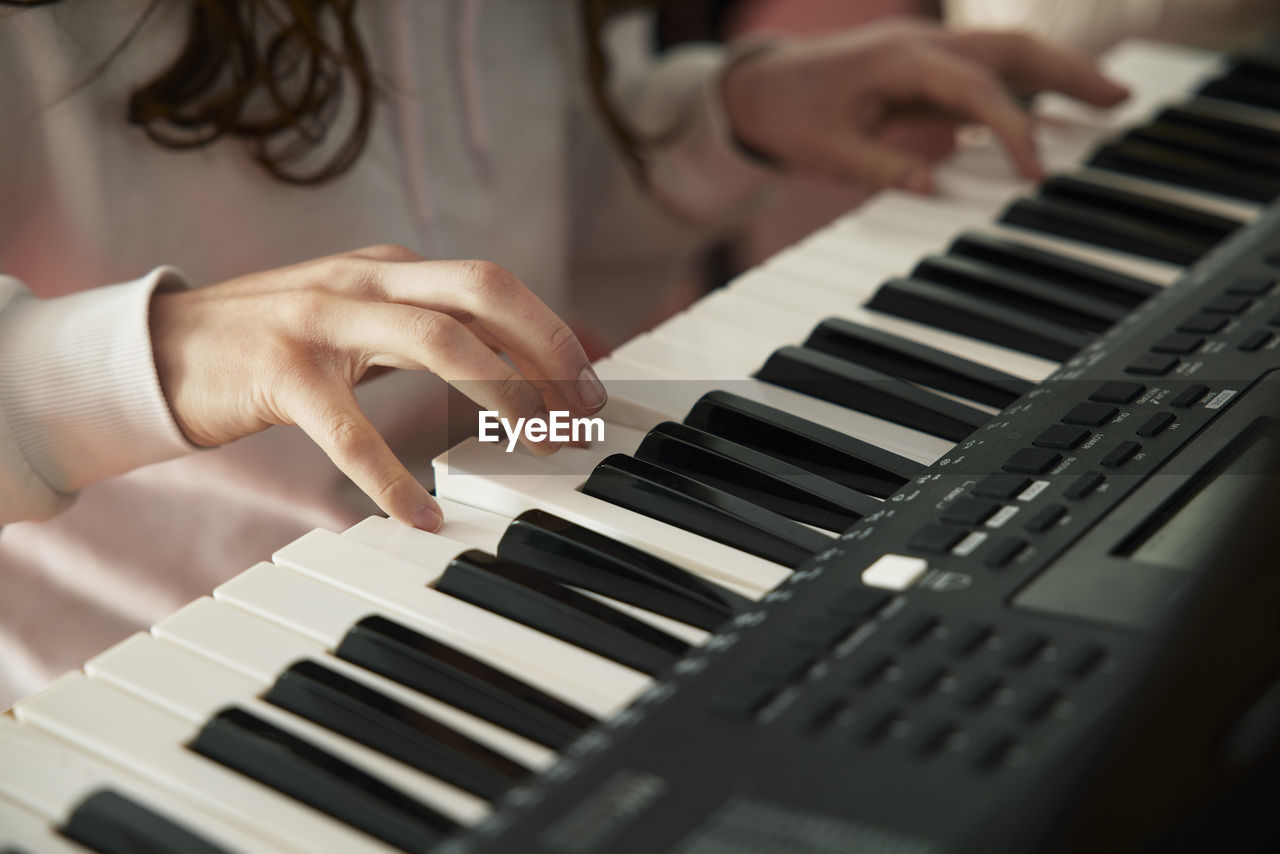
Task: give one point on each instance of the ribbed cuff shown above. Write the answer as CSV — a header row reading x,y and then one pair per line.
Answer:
x,y
79,388
702,170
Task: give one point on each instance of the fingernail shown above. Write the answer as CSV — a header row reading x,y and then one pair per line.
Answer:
x,y
427,518
590,390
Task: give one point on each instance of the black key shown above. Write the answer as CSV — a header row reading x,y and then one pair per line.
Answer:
x,y
1020,291
1084,485
1081,276
538,601
935,305
578,556
1064,437
1251,80
1179,343
1117,392
1165,163
909,360
1204,114
677,500
1206,323
296,768
1156,424
373,719
1090,414
1097,225
1254,341
1152,365
111,823
1121,454
751,475
1189,396
437,670
1180,220
1002,486
1211,144
848,461
1032,461
864,390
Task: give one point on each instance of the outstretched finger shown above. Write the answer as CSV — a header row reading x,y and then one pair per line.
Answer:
x,y
327,412
1030,65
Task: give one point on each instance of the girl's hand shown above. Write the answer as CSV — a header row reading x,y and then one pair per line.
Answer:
x,y
288,346
876,104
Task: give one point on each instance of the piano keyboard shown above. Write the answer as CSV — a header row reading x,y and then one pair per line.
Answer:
x,y
386,689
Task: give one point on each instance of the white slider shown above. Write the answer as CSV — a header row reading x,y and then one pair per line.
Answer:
x,y
197,688
326,613
52,778
482,476
22,830
402,586
128,731
262,650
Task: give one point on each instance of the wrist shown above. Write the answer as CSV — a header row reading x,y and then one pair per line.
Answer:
x,y
736,85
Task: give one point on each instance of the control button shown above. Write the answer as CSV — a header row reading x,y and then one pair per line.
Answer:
x,y
1226,305
1005,552
1254,341
1084,485
1061,436
1084,661
1152,365
976,637
1091,414
1032,461
1000,752
1189,396
1046,518
1156,424
1117,392
1203,323
898,572
1178,343
1252,286
1027,650
1001,486
970,511
1121,454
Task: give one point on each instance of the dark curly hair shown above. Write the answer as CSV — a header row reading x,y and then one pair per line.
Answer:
x,y
272,72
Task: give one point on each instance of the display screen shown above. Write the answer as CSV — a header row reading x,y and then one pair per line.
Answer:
x,y
1188,533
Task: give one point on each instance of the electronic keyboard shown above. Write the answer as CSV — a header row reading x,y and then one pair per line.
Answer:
x,y
882,544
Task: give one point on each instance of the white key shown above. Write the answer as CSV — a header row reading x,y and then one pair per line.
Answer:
x,y
128,731
197,688
470,472
52,778
463,523
643,396
326,613
26,831
262,650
